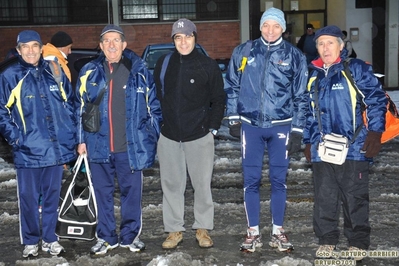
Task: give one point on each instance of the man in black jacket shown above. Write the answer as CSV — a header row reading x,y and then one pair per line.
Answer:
x,y
192,101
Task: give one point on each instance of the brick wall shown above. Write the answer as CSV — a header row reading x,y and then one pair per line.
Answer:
x,y
218,38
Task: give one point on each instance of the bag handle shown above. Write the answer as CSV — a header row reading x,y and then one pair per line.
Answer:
x,y
76,168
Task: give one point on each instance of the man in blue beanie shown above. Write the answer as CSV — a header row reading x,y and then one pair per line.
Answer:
x,y
267,102
338,106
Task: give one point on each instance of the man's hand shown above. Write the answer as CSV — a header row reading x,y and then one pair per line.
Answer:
x,y
294,143
372,144
307,152
81,148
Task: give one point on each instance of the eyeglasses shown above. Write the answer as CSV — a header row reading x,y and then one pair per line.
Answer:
x,y
181,37
108,41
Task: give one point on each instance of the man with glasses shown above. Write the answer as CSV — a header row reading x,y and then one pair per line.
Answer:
x,y
190,88
126,141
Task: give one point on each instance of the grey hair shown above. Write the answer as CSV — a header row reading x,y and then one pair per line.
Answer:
x,y
339,39
18,47
121,36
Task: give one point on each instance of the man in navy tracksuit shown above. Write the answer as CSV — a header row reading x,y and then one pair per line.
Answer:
x,y
268,97
37,119
126,141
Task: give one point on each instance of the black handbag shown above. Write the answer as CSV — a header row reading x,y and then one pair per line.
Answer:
x,y
77,214
91,115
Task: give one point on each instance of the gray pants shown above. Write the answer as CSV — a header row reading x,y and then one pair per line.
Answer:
x,y
175,158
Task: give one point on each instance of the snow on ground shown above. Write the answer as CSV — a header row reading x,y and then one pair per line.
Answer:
x,y
229,217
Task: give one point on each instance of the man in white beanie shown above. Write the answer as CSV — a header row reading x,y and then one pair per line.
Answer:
x,y
266,107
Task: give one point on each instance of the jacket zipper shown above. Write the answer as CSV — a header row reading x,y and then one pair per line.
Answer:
x,y
111,130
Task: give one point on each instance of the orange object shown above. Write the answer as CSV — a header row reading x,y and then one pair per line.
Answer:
x,y
391,122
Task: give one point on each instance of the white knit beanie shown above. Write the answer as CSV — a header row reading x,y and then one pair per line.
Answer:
x,y
273,14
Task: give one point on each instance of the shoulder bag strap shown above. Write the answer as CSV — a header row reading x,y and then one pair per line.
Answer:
x,y
163,71
316,87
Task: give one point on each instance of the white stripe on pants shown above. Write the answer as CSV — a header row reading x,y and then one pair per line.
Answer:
x,y
175,158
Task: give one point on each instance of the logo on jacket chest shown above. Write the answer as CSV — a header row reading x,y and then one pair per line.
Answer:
x,y
337,86
140,90
53,88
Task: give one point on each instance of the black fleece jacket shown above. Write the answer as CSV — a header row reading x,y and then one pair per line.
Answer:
x,y
194,99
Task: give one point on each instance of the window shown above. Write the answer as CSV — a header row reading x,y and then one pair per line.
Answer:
x,y
52,12
13,10
39,12
164,10
139,9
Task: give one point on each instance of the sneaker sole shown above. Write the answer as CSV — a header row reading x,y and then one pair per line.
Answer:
x,y
105,250
251,249
280,248
132,249
31,255
247,250
205,246
53,253
257,245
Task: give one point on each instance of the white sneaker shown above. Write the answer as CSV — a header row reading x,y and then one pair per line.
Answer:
x,y
101,247
30,250
252,241
54,248
281,241
136,246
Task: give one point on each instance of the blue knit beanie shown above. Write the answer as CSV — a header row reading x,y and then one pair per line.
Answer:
x,y
273,14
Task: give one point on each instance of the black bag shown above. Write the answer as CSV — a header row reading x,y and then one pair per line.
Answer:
x,y
353,54
77,214
91,115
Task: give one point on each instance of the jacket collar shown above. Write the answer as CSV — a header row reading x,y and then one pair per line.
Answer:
x,y
194,53
276,42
